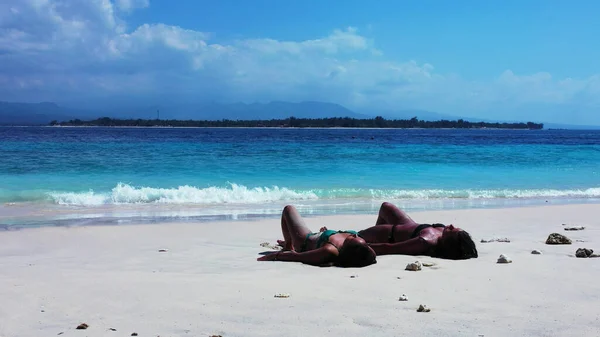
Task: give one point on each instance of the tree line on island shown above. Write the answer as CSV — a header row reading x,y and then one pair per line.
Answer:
x,y
333,122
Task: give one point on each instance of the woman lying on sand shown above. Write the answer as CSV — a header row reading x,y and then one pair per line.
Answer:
x,y
327,247
396,233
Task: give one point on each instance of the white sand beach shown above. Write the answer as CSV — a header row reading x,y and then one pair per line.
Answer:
x,y
209,282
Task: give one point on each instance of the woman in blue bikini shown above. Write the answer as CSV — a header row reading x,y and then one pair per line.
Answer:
x,y
327,247
396,233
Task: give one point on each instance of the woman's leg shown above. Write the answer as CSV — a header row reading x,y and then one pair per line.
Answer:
x,y
293,228
390,214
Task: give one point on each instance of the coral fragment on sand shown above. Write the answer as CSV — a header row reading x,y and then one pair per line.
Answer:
x,y
504,259
423,308
573,228
585,252
557,239
82,326
270,246
495,240
414,266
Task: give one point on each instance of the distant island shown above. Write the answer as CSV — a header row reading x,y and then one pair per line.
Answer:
x,y
334,122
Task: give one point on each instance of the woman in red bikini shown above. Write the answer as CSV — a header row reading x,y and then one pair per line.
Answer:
x,y
324,248
396,233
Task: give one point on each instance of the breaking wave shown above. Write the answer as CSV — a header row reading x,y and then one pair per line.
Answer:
x,y
239,194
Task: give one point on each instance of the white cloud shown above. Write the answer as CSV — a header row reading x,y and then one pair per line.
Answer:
x,y
128,5
53,51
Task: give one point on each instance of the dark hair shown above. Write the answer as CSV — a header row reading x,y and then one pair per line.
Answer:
x,y
460,247
355,254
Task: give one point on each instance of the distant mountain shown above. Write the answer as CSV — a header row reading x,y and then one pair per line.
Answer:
x,y
31,113
243,111
45,112
410,113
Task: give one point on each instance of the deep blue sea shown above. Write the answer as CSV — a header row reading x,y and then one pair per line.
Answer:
x,y
52,175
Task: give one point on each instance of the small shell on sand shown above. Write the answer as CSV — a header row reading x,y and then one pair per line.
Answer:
x,y
423,308
82,326
403,298
415,266
282,295
495,240
536,252
504,259
574,228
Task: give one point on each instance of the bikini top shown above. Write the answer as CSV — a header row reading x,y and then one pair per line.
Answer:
x,y
419,228
324,237
416,232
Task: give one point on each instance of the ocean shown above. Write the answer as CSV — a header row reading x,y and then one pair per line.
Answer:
x,y
72,176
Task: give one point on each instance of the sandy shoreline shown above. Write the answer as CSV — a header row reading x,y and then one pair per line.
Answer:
x,y
209,282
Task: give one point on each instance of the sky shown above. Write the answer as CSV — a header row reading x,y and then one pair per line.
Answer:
x,y
507,60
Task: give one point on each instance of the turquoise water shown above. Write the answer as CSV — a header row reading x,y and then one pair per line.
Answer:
x,y
125,173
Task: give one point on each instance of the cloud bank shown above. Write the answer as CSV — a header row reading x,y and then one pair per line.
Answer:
x,y
84,49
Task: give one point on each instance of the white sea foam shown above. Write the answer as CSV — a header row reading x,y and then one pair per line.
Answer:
x,y
239,194
485,194
82,198
127,194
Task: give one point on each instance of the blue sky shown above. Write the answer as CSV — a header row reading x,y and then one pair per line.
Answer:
x,y
538,60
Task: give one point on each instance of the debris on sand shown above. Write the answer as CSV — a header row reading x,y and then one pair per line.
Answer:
x,y
163,250
415,266
270,246
536,252
282,295
423,308
495,240
586,252
82,326
574,228
403,298
504,259
557,239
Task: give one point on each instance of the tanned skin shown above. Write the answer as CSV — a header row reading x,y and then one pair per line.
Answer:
x,y
378,236
295,233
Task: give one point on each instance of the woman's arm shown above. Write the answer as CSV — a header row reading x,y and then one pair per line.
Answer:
x,y
416,246
314,257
